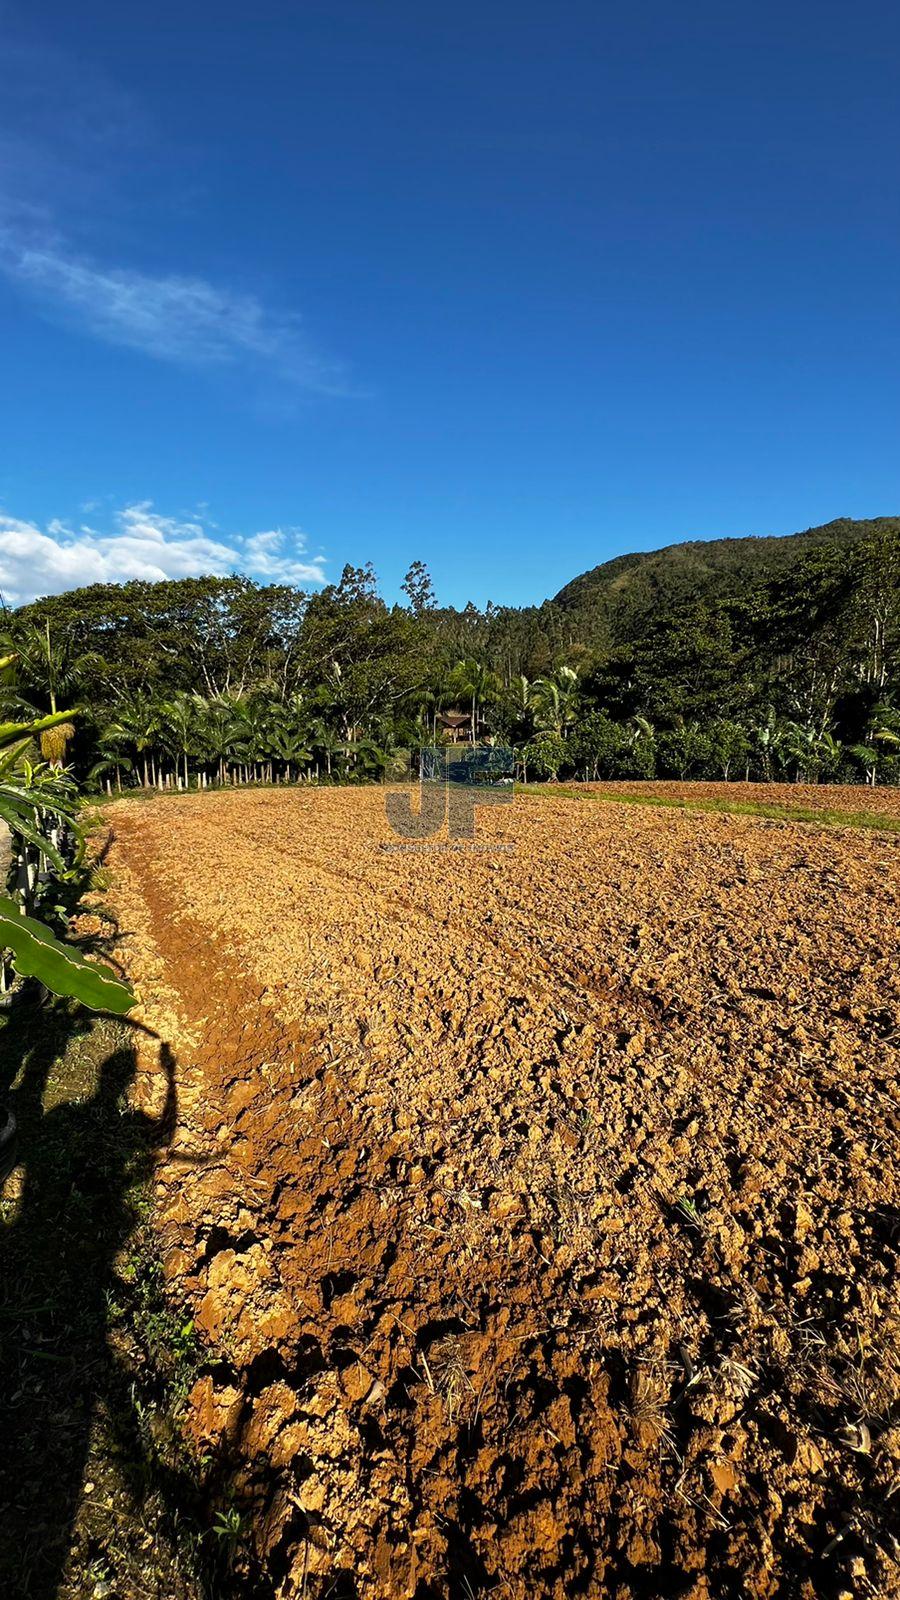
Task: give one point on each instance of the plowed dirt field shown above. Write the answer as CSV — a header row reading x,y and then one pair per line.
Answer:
x,y
537,1201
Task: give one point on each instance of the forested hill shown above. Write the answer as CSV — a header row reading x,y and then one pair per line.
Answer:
x,y
765,656
713,568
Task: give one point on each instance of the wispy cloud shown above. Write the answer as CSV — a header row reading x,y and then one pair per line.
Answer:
x,y
71,142
143,544
186,320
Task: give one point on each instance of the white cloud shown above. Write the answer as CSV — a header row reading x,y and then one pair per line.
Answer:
x,y
264,556
142,544
186,320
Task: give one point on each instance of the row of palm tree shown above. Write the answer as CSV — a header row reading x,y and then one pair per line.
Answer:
x,y
187,738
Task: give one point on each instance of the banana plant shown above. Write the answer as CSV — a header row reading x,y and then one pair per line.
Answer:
x,y
288,746
37,803
29,794
37,953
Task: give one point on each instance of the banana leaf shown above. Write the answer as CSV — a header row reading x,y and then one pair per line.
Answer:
x,y
37,953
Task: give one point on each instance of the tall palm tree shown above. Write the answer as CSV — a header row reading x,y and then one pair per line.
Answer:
x,y
178,728
556,701
325,742
239,735
135,723
476,683
49,668
513,716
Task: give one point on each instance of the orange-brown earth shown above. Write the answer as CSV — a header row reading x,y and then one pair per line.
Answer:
x,y
537,1201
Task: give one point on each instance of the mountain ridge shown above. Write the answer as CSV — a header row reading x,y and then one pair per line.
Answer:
x,y
715,565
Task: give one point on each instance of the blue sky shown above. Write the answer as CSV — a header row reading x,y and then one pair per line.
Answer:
x,y
507,288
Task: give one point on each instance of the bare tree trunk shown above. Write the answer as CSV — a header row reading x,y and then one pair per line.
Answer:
x,y
23,881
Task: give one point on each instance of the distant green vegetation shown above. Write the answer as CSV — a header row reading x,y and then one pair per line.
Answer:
x,y
743,658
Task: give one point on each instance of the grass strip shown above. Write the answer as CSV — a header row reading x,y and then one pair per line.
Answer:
x,y
871,820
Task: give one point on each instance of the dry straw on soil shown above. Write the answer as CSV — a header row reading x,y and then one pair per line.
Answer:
x,y
538,1209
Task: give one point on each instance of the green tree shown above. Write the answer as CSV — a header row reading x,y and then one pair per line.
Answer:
x,y
419,589
544,755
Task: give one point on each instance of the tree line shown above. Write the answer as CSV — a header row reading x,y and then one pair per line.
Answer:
x,y
773,664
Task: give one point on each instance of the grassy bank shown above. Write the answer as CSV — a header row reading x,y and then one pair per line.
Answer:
x,y
733,808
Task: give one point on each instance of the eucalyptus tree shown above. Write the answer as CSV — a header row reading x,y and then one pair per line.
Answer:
x,y
419,589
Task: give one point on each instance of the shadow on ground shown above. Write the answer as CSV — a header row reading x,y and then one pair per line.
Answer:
x,y
88,1349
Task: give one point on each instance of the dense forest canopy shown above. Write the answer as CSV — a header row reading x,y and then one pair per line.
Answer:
x,y
760,657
